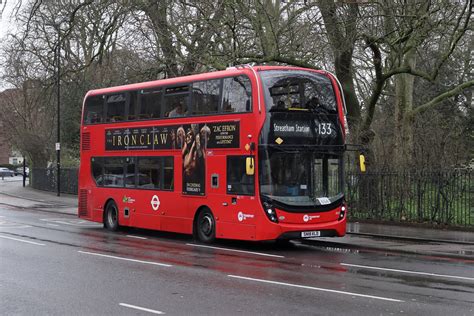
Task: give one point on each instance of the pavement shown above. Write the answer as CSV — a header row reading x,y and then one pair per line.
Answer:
x,y
433,242
13,193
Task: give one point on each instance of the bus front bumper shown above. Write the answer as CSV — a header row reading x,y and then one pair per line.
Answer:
x,y
295,231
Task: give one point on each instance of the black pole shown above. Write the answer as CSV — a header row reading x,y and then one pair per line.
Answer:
x,y
58,144
24,171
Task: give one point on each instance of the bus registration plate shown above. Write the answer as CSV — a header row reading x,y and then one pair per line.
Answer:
x,y
314,233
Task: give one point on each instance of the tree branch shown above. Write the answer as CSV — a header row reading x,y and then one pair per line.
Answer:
x,y
422,108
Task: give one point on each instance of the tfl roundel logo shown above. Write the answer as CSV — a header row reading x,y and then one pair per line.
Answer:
x,y
155,202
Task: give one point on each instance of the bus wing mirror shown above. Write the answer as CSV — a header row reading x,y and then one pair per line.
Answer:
x,y
362,163
250,166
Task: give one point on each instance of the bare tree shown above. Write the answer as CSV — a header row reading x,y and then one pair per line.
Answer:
x,y
396,59
27,121
85,34
408,29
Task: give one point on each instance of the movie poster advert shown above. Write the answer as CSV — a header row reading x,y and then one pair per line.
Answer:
x,y
193,151
220,135
192,139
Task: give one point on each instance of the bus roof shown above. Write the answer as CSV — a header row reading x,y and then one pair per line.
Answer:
x,y
231,71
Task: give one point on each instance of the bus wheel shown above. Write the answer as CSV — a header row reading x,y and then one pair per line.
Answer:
x,y
206,226
111,216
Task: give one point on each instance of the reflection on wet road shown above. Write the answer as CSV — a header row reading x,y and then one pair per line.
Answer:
x,y
141,270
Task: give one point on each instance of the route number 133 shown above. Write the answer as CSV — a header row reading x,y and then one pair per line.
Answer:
x,y
325,128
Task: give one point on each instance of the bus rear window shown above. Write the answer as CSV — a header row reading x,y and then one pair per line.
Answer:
x,y
94,110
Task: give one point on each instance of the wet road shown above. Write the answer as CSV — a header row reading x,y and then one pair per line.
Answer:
x,y
54,264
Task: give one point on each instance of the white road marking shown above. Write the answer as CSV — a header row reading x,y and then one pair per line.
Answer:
x,y
7,224
315,288
126,259
235,250
49,224
72,222
142,309
408,271
137,237
21,240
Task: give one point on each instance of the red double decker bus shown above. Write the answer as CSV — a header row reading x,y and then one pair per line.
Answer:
x,y
249,153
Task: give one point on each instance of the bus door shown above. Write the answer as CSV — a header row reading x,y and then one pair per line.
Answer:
x,y
241,211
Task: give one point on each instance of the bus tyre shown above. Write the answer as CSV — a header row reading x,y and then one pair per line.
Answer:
x,y
111,216
206,226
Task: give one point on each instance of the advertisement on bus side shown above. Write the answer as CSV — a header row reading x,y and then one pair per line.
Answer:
x,y
218,135
192,139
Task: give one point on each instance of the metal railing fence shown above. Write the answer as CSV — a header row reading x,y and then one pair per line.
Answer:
x,y
46,179
442,197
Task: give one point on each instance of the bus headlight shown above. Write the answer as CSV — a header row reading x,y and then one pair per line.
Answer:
x,y
342,213
270,212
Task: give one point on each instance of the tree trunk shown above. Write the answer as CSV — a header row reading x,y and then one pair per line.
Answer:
x,y
342,36
403,133
345,75
158,14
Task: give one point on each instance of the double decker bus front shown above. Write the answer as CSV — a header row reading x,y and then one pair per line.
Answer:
x,y
300,155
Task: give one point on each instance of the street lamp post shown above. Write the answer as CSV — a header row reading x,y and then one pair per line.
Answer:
x,y
24,171
58,143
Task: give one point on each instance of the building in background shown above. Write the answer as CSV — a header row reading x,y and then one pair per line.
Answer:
x,y
15,158
5,148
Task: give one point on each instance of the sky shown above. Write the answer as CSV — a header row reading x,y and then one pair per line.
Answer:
x,y
5,18
6,24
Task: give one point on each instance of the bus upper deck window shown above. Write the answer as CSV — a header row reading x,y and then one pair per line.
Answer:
x,y
150,104
115,104
177,101
302,91
132,106
237,95
206,97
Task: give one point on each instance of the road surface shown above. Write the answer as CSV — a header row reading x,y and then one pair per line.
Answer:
x,y
56,264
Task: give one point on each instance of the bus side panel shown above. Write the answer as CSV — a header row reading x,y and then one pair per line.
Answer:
x,y
175,212
145,207
177,225
235,231
97,214
146,221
